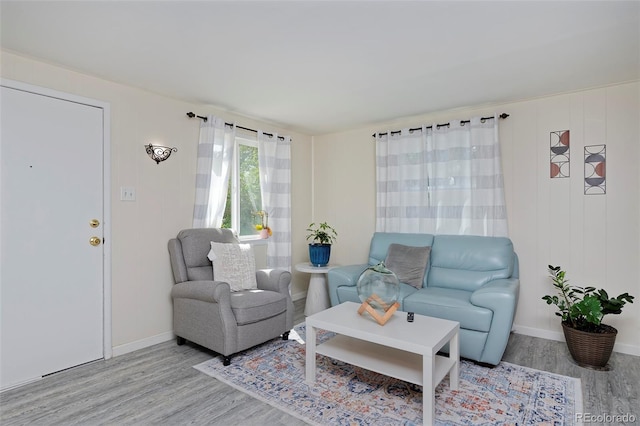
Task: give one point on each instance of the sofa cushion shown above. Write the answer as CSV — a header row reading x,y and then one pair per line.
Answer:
x,y
234,264
408,263
382,240
449,304
251,306
467,262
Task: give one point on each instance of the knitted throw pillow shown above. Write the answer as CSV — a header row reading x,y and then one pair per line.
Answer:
x,y
234,264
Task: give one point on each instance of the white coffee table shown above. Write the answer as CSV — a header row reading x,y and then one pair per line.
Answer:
x,y
400,349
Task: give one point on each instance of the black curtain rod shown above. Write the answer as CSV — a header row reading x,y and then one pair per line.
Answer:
x,y
395,132
192,115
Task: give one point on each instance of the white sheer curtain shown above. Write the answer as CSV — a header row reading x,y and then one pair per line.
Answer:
x,y
274,158
441,180
215,151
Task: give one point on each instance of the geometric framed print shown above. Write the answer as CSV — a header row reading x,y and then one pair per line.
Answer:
x,y
595,170
559,153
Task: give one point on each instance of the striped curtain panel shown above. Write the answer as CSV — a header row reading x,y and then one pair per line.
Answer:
x,y
215,151
274,158
441,180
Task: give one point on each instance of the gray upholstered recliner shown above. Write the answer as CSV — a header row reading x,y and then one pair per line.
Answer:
x,y
207,313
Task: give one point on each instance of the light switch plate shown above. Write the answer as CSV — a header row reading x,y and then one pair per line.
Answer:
x,y
127,193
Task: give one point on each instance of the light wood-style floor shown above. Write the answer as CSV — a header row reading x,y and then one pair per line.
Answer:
x,y
157,385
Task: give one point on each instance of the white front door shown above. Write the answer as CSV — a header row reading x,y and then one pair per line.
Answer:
x,y
51,277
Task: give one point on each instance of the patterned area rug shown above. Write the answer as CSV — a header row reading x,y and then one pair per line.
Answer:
x,y
346,395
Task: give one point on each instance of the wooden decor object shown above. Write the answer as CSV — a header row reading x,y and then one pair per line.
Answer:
x,y
388,309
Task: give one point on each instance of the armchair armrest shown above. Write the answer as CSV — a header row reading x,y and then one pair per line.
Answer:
x,y
206,291
343,276
277,280
274,279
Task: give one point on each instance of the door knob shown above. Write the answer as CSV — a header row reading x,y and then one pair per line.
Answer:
x,y
94,223
94,241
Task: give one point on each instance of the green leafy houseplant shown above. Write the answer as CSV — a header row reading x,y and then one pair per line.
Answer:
x,y
321,236
321,233
583,308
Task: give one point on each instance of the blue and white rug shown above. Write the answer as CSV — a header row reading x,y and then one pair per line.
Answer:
x,y
346,395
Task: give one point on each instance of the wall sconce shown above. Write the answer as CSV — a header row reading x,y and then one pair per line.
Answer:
x,y
159,153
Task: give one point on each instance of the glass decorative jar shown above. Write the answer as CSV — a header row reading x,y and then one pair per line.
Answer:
x,y
378,289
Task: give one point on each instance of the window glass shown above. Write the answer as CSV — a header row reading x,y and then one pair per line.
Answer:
x,y
243,197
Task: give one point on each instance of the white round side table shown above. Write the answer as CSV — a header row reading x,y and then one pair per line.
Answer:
x,y
317,293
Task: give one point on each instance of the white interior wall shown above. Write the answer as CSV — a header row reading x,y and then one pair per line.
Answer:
x,y
595,238
141,274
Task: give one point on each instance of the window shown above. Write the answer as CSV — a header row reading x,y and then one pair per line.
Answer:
x,y
243,197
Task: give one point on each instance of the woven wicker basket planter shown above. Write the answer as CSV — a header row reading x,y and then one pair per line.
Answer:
x,y
591,350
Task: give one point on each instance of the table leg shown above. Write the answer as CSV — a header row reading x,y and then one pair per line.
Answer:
x,y
317,294
428,391
454,352
310,364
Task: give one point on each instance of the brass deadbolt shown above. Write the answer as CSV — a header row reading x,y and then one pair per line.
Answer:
x,y
94,223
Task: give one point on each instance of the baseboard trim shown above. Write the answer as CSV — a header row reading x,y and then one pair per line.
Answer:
x,y
298,296
558,336
143,343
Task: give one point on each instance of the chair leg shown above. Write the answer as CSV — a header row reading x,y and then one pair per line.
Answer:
x,y
226,360
285,335
180,340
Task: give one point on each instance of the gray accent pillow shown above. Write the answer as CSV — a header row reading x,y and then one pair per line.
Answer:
x,y
408,263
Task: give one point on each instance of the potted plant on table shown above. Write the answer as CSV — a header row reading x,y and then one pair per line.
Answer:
x,y
582,309
321,235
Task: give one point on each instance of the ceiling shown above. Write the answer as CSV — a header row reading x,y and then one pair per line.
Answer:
x,y
325,66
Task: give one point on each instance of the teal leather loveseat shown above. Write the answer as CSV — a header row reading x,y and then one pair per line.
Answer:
x,y
470,279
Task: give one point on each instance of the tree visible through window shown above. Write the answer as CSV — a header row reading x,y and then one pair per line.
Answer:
x,y
243,196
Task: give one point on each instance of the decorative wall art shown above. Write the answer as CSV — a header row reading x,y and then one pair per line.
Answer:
x,y
595,170
559,150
